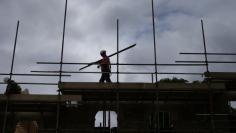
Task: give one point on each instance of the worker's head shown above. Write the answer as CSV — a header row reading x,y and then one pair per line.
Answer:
x,y
103,52
6,79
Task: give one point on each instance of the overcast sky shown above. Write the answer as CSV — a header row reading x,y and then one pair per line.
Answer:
x,y
91,26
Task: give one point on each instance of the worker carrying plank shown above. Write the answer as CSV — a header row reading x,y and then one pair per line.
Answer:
x,y
12,87
105,65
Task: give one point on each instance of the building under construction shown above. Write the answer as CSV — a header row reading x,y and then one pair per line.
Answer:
x,y
156,107
140,107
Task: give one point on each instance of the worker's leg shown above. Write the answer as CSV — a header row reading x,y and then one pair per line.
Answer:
x,y
108,77
102,79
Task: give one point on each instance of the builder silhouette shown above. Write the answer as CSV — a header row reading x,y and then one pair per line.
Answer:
x,y
104,63
12,87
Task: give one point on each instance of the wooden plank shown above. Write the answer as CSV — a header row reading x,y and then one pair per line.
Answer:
x,y
184,86
221,75
140,86
40,98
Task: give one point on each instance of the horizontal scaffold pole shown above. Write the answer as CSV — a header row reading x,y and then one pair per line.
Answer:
x,y
24,74
124,64
33,83
120,72
220,62
208,53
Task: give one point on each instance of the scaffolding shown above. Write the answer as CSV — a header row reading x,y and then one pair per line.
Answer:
x,y
152,93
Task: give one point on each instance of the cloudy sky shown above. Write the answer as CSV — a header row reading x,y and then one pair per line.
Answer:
x,y
91,26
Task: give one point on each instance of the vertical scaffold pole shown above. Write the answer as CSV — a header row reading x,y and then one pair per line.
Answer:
x,y
14,50
12,66
157,127
208,81
154,39
204,44
152,78
63,40
58,130
104,115
109,119
117,91
117,48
